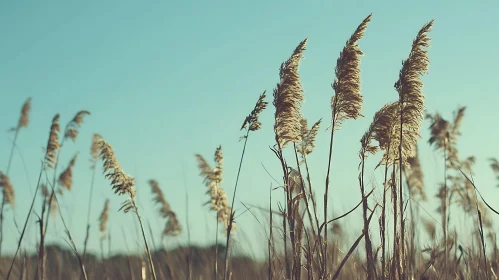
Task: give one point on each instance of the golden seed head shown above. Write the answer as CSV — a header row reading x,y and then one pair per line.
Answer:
x,y
7,190
73,126
66,177
252,118
287,99
53,143
347,100
159,199
24,118
120,182
307,143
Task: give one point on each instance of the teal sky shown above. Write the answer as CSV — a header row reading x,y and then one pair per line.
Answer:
x,y
167,79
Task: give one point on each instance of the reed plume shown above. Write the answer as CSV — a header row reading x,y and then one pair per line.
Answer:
x,y
287,99
159,199
103,218
251,120
121,183
66,177
53,143
212,179
94,149
347,100
7,190
307,136
73,126
172,227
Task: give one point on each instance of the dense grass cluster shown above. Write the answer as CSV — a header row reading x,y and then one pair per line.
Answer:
x,y
303,241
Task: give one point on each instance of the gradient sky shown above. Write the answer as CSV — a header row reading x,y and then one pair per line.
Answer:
x,y
167,79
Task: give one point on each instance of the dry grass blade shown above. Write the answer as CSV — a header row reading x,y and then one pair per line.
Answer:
x,y
287,99
72,129
66,177
347,100
7,190
252,119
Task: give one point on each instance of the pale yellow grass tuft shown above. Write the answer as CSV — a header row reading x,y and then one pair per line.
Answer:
x,y
103,219
252,119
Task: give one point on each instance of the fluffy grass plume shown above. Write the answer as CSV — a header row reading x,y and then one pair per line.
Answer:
x,y
409,87
73,127
172,227
103,219
94,149
66,177
120,182
53,143
252,119
159,199
212,179
7,190
24,117
46,199
347,100
287,99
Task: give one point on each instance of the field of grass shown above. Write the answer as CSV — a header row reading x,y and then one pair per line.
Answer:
x,y
303,240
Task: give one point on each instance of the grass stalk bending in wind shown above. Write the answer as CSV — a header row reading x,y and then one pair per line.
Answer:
x,y
123,184
47,163
8,191
346,102
288,96
251,123
411,101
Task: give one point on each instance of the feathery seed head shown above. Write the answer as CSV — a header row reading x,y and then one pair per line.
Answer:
x,y
307,143
347,100
24,118
103,219
252,119
73,126
212,179
53,143
7,190
66,177
287,99
172,227
409,85
120,182
159,199
94,149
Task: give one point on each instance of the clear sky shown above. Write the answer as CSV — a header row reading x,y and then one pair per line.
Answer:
x,y
167,79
